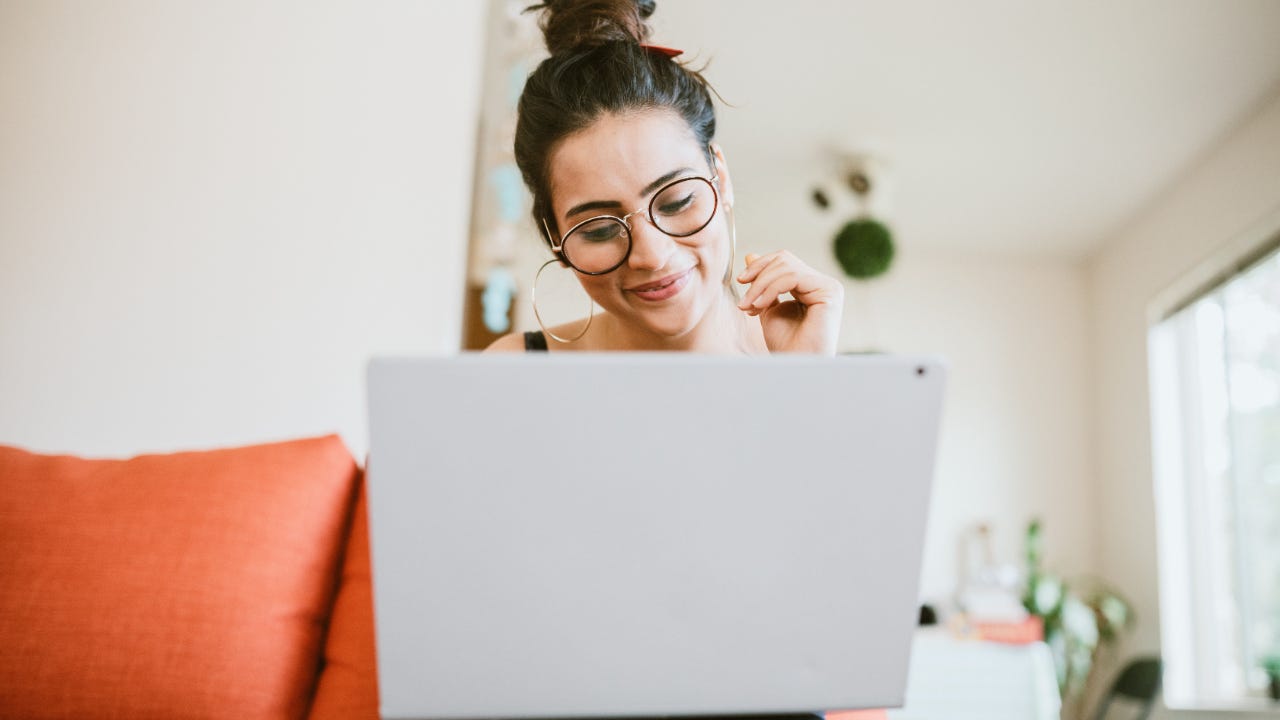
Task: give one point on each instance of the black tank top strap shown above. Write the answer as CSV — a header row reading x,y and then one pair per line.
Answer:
x,y
535,341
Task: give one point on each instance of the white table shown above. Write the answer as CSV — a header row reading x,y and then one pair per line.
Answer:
x,y
953,679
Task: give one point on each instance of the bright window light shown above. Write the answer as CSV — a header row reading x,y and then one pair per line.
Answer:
x,y
1215,401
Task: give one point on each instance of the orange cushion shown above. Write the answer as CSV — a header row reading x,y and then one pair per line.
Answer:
x,y
348,687
191,585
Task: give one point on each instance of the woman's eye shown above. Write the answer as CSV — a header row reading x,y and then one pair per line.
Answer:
x,y
601,235
674,206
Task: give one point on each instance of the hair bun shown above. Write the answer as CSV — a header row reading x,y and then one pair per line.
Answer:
x,y
569,25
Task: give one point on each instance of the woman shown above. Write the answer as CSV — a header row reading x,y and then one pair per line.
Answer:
x,y
615,140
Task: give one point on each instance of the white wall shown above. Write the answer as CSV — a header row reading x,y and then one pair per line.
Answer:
x,y
212,214
1232,189
1015,439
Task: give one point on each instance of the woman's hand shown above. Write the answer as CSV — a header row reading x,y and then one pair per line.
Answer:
x,y
808,324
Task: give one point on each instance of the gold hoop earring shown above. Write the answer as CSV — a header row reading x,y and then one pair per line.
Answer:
x,y
733,248
533,293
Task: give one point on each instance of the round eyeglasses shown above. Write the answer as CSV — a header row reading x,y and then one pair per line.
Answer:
x,y
602,244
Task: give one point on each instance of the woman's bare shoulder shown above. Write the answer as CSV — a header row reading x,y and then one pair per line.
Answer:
x,y
511,342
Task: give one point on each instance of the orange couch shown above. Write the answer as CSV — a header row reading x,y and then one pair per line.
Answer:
x,y
224,584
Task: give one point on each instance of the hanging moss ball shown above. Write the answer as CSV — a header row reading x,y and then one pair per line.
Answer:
x,y
864,248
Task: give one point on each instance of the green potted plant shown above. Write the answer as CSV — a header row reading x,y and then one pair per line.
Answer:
x,y
1080,617
864,248
1271,665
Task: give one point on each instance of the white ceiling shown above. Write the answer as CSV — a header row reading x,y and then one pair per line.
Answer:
x,y
1007,125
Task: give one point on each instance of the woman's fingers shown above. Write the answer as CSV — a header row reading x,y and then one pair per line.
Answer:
x,y
755,263
764,307
757,266
776,274
770,286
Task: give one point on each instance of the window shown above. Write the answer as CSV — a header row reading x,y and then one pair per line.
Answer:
x,y
1215,382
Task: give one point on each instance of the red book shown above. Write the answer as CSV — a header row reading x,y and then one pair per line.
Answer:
x,y
1020,633
856,715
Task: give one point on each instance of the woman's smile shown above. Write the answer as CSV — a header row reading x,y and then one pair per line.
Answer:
x,y
662,289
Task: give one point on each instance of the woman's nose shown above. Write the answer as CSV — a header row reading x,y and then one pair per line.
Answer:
x,y
650,247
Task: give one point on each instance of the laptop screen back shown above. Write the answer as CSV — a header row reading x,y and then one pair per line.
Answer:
x,y
635,535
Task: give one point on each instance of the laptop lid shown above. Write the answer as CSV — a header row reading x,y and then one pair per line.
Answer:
x,y
572,535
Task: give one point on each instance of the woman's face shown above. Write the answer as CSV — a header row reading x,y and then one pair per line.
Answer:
x,y
613,167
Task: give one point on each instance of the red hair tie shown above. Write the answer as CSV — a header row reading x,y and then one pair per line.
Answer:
x,y
663,51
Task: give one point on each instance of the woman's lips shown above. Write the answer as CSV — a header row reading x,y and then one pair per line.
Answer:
x,y
662,289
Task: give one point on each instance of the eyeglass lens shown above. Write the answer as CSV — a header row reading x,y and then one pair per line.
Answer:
x,y
679,209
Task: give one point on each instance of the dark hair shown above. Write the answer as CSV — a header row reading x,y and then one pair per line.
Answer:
x,y
598,66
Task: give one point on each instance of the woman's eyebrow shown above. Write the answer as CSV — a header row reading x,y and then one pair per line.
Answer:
x,y
663,180
610,204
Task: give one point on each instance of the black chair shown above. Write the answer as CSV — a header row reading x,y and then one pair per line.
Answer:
x,y
1139,682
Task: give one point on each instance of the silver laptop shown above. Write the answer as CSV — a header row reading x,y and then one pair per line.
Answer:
x,y
620,535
